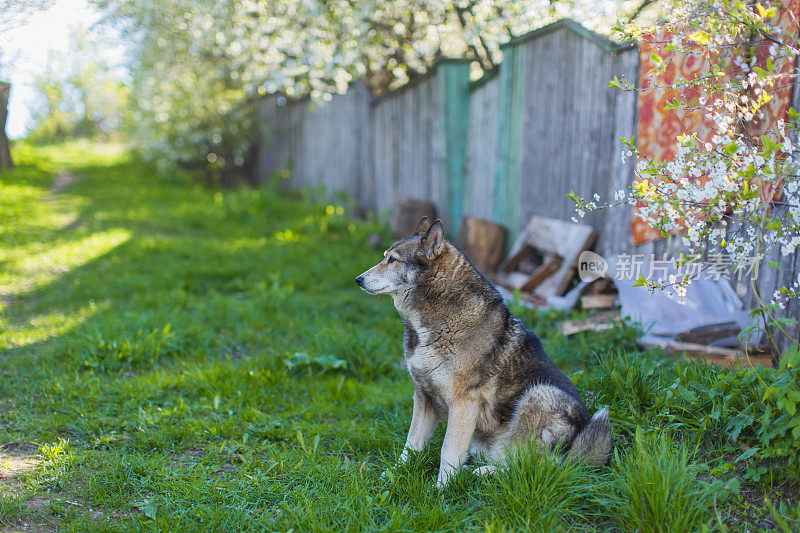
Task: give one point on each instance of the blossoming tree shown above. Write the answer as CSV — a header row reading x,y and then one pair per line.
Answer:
x,y
730,182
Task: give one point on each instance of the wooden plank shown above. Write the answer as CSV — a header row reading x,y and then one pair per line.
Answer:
x,y
599,301
482,142
565,239
615,235
598,322
550,266
507,172
711,354
453,112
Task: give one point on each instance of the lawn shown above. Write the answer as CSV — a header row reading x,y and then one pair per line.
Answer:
x,y
181,358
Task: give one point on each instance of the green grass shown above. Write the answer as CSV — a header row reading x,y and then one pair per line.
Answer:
x,y
181,358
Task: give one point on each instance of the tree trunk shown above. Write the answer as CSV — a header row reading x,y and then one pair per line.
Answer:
x,y
5,148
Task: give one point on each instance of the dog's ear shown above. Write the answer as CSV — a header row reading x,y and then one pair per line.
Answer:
x,y
422,226
432,244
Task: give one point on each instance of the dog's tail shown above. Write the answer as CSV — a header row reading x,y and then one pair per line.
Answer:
x,y
593,443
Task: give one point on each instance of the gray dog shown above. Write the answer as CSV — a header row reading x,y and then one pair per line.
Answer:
x,y
476,364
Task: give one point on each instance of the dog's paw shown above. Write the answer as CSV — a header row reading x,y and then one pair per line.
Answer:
x,y
485,470
442,479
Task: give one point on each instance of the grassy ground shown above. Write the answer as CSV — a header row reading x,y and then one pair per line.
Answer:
x,y
177,358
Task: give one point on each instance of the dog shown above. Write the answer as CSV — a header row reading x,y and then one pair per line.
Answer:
x,y
475,364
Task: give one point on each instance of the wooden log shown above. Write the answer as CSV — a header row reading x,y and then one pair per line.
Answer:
x,y
709,333
406,214
482,241
5,145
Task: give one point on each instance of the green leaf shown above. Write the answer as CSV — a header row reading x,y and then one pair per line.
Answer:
x,y
686,394
737,424
747,454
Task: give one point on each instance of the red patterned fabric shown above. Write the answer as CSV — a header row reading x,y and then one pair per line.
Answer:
x,y
658,129
775,109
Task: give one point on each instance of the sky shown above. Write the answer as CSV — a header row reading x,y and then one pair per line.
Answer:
x,y
27,48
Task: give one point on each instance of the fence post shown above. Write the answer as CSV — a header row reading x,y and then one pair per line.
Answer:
x,y
452,78
508,162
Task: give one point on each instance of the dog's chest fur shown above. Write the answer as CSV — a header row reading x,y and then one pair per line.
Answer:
x,y
430,361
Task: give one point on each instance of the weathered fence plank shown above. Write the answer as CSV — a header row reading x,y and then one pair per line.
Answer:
x,y
481,148
320,142
615,234
508,168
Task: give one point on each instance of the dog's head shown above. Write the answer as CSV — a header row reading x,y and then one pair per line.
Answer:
x,y
406,260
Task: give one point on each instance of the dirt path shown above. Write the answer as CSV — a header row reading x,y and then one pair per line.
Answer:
x,y
63,180
65,217
15,462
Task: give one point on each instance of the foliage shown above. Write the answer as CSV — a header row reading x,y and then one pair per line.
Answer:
x,y
779,431
12,15
751,410
186,303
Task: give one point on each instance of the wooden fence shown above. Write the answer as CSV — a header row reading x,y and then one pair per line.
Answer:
x,y
506,147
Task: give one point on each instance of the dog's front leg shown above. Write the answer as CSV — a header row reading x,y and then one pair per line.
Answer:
x,y
461,421
423,424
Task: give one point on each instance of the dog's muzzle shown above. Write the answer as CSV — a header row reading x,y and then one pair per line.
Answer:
x,y
360,281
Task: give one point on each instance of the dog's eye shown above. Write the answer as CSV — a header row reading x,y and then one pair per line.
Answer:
x,y
391,259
